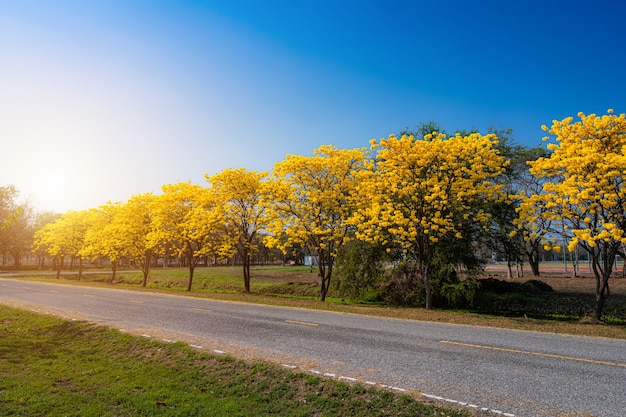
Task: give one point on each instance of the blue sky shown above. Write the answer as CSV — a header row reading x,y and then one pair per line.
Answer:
x,y
103,99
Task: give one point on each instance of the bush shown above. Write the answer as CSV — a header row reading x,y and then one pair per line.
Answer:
x,y
535,286
512,298
461,294
498,286
360,268
404,287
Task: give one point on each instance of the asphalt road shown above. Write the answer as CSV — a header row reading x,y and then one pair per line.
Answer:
x,y
503,372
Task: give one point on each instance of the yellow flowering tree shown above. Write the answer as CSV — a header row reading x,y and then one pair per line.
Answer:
x,y
584,189
43,219
134,222
185,219
105,237
424,194
64,237
310,199
120,230
49,240
536,221
238,196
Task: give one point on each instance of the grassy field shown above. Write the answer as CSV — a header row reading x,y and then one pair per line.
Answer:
x,y
562,311
50,367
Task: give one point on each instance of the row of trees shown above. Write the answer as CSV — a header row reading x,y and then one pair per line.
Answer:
x,y
427,199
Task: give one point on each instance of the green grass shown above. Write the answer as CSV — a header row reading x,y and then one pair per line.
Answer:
x,y
294,281
51,367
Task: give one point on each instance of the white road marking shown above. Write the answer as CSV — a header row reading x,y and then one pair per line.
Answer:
x,y
304,323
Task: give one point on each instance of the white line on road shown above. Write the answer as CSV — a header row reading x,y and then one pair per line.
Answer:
x,y
528,352
202,309
304,323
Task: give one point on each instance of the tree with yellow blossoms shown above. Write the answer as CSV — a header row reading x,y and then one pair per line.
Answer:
x,y
424,194
65,237
186,220
106,238
120,230
238,196
584,189
135,221
310,199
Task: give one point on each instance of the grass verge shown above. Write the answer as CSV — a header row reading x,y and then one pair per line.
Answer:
x,y
52,367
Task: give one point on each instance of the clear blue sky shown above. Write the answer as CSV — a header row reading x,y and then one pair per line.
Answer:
x,y
103,99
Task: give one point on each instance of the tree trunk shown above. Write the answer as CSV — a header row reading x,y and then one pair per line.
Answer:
x,y
80,268
533,260
16,259
59,266
192,266
509,268
428,292
602,262
246,269
602,292
325,268
323,286
113,271
145,267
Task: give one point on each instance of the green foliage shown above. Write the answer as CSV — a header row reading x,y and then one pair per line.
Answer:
x,y
498,286
361,267
404,287
461,294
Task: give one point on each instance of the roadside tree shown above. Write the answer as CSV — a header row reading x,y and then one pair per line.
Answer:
x,y
584,189
16,225
185,220
237,194
42,219
424,194
135,222
105,238
309,201
65,237
8,205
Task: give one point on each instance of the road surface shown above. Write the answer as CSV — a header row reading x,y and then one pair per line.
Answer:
x,y
503,372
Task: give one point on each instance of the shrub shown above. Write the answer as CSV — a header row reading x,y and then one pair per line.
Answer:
x,y
404,287
360,268
461,294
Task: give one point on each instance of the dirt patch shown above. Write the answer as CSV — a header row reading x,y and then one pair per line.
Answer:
x,y
560,281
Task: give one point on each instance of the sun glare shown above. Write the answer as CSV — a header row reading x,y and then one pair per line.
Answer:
x,y
51,188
